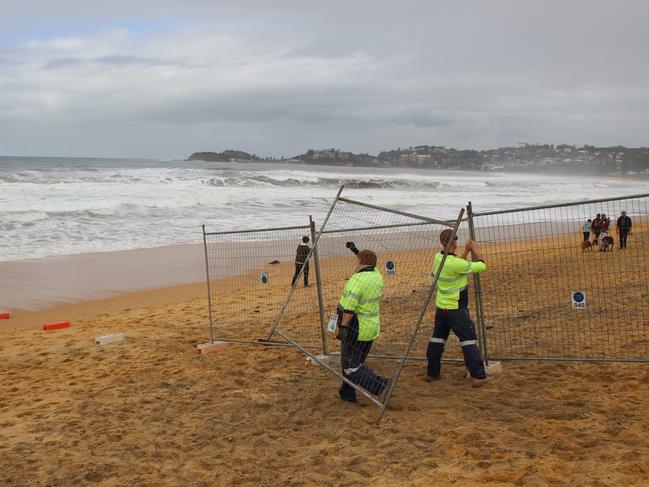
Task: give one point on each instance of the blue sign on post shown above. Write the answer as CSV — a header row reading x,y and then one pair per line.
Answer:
x,y
390,268
263,277
578,300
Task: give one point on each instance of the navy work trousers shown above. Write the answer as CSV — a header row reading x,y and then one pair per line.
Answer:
x,y
459,321
352,357
298,268
623,235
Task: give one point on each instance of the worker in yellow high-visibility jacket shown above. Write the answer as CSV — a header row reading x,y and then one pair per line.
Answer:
x,y
360,326
452,313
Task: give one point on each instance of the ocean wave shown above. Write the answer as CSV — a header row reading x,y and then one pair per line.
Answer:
x,y
351,183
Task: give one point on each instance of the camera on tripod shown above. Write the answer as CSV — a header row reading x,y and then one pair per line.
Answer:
x,y
352,247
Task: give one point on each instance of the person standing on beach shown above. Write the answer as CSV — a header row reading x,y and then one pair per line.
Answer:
x,y
606,222
452,313
597,228
586,229
359,326
301,255
624,225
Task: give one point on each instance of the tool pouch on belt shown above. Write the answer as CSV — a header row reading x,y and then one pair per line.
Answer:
x,y
347,333
340,333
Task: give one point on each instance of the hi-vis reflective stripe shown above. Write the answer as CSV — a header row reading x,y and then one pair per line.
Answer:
x,y
351,371
367,315
451,290
468,342
369,300
467,270
352,295
437,340
449,279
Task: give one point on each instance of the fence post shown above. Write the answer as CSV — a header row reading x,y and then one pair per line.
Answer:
x,y
316,260
209,287
314,246
482,332
422,314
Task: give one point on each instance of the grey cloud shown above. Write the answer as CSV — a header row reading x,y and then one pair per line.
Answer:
x,y
122,60
364,75
424,117
62,63
114,60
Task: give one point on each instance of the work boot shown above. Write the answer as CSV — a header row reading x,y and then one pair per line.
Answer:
x,y
475,382
348,398
386,387
433,378
347,393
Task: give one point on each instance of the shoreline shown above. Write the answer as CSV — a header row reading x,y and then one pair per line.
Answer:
x,y
69,287
39,284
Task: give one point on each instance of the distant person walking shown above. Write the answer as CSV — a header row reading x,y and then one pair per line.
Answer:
x,y
301,255
586,229
624,225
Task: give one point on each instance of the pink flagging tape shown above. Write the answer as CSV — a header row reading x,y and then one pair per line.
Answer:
x,y
4,316
56,326
211,347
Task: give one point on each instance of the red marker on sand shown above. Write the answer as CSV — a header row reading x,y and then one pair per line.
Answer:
x,y
56,326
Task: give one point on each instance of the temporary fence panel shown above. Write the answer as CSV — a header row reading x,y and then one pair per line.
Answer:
x,y
249,273
406,248
405,245
552,292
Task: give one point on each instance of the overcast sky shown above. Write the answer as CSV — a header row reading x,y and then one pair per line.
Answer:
x,y
162,78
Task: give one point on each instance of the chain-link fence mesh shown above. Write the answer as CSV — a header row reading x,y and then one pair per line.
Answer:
x,y
561,287
249,273
405,246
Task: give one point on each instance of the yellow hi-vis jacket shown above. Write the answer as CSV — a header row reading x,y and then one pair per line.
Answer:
x,y
454,278
362,295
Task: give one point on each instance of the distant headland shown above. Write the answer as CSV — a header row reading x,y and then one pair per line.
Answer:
x,y
618,160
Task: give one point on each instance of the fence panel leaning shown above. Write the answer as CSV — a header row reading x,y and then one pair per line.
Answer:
x,y
394,297
249,273
566,282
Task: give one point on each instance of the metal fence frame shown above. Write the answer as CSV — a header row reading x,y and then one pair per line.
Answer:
x,y
481,307
406,355
315,235
473,217
310,227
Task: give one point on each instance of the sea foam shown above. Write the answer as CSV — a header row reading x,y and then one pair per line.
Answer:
x,y
55,206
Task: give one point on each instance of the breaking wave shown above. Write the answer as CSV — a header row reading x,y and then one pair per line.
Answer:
x,y
355,183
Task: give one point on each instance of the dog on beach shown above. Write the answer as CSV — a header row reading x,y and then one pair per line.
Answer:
x,y
607,244
586,245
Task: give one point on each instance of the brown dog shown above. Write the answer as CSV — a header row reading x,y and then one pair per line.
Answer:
x,y
586,245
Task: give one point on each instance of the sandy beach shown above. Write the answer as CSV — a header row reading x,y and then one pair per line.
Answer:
x,y
151,411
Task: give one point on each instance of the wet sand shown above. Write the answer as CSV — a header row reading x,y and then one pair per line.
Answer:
x,y
38,284
123,303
